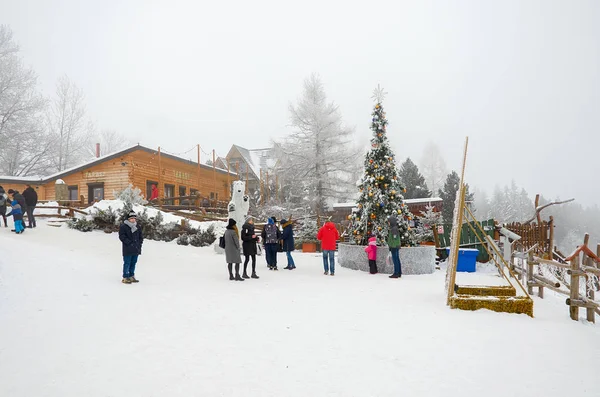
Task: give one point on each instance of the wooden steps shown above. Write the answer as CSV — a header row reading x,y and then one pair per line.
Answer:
x,y
501,299
479,290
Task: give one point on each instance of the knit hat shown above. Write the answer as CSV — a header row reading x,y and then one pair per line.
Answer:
x,y
131,214
231,223
10,191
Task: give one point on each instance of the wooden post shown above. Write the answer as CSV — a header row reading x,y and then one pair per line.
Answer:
x,y
262,196
215,178
589,292
267,188
551,226
198,168
574,295
530,264
160,202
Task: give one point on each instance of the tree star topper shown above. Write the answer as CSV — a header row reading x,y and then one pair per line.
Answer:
x,y
378,94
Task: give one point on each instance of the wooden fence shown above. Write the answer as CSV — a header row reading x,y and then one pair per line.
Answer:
x,y
468,238
565,278
539,235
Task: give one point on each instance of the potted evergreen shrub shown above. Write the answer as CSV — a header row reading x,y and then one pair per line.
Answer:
x,y
307,235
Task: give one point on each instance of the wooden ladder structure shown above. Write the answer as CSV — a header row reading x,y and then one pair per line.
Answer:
x,y
495,298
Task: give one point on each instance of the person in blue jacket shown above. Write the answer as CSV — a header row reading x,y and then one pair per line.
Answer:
x,y
288,243
17,214
130,234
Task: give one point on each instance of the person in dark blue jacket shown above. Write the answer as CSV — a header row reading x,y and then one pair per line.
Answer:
x,y
130,234
17,214
288,243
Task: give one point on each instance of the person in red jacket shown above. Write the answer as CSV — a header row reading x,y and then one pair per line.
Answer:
x,y
328,235
154,193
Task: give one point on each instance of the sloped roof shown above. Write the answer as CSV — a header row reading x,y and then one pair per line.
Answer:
x,y
407,201
102,159
256,159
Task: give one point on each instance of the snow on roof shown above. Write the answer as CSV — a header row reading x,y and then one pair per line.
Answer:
x,y
257,159
423,200
21,178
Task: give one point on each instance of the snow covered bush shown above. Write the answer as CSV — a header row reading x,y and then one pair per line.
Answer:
x,y
183,240
307,231
203,238
83,225
105,219
426,223
131,196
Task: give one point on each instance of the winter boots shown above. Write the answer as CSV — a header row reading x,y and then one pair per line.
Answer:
x,y
126,280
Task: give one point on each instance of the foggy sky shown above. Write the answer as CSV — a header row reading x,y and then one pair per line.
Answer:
x,y
520,78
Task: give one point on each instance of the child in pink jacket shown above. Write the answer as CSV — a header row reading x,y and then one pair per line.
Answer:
x,y
371,251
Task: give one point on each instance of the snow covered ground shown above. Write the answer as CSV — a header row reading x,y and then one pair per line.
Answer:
x,y
68,327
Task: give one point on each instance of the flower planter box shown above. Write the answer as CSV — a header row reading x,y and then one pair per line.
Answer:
x,y
309,247
415,260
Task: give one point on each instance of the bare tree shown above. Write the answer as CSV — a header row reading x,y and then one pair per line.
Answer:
x,y
314,157
433,167
68,125
110,141
25,145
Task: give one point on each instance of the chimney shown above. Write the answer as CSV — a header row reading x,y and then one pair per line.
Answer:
x,y
97,150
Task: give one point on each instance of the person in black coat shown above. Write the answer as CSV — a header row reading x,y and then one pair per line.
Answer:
x,y
249,240
130,234
288,243
3,202
19,197
31,199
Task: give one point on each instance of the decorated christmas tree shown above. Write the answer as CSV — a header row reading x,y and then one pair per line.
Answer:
x,y
380,187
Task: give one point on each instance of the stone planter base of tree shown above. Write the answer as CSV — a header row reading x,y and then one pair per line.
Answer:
x,y
415,260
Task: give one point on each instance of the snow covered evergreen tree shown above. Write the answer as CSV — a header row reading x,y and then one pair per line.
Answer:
x,y
314,159
415,184
380,187
448,194
427,221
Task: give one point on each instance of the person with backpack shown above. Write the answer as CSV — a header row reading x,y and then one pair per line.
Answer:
x,y
393,242
3,203
288,243
130,234
249,240
31,199
232,250
19,197
271,236
328,235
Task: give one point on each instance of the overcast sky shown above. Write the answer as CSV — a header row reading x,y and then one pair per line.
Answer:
x,y
520,78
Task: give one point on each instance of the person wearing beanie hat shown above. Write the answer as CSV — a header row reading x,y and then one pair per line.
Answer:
x,y
232,250
270,237
130,234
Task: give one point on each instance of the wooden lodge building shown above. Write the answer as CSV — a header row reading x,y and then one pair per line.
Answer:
x,y
142,167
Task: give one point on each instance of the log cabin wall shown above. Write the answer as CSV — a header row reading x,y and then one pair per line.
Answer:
x,y
96,182
18,186
178,177
139,166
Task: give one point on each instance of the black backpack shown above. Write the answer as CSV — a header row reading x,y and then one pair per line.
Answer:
x,y
222,241
271,234
2,200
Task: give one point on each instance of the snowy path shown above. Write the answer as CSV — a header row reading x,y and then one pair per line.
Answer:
x,y
68,327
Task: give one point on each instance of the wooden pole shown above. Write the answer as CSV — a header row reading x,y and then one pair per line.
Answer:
x,y
199,168
228,182
530,263
160,189
551,226
262,196
574,295
215,178
267,188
